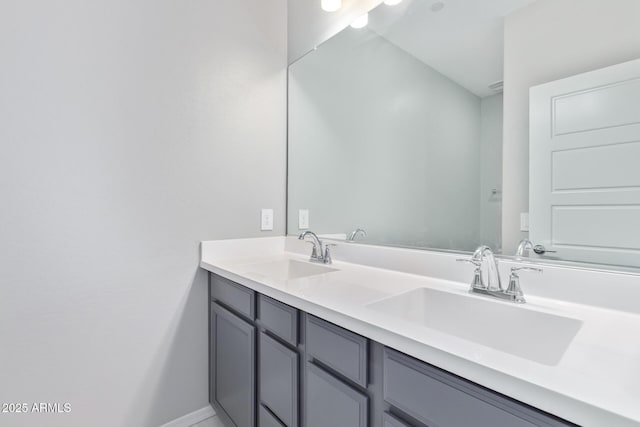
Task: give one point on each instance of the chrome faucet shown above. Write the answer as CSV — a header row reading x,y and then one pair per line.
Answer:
x,y
494,286
317,253
523,248
493,276
354,234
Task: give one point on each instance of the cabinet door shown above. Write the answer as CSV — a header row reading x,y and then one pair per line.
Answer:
x,y
233,376
267,419
279,379
330,402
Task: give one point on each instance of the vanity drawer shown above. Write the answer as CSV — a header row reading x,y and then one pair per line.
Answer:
x,y
343,351
279,379
435,397
389,420
234,296
266,419
280,319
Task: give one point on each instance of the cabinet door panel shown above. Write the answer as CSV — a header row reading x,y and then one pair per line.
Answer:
x,y
267,419
280,319
233,366
339,349
330,402
234,295
279,379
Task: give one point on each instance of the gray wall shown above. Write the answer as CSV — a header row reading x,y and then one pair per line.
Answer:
x,y
130,130
379,140
546,41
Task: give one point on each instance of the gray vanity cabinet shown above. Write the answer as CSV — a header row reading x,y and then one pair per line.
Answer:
x,y
254,359
274,366
233,362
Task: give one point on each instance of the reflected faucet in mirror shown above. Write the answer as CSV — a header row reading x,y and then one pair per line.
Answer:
x,y
354,234
523,248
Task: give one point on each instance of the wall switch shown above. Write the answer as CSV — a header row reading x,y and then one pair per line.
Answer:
x,y
303,219
524,221
267,220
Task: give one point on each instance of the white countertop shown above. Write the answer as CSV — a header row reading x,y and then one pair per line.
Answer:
x,y
596,383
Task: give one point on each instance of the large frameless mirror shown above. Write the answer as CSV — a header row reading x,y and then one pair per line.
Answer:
x,y
396,128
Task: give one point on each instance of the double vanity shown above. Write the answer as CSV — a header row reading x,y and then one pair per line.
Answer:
x,y
389,337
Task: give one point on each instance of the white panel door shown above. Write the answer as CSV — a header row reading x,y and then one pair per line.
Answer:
x,y
585,166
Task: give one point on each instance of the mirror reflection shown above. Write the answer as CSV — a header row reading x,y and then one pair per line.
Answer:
x,y
396,138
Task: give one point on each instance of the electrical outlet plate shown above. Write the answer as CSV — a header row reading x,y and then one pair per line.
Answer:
x,y
266,223
303,219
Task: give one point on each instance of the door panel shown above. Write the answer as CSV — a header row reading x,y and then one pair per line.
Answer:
x,y
584,173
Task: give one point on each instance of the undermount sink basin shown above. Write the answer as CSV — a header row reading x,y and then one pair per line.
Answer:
x,y
286,269
535,335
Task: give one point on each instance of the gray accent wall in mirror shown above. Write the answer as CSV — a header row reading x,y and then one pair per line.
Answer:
x,y
415,128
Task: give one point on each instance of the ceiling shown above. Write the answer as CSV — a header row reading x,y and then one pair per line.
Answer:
x,y
463,40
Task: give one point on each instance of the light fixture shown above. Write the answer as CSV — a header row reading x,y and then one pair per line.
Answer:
x,y
331,5
391,2
361,21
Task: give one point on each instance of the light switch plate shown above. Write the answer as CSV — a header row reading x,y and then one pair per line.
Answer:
x,y
266,223
303,219
524,221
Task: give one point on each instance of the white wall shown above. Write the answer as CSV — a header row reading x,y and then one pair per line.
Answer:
x,y
379,140
491,171
550,40
130,131
309,25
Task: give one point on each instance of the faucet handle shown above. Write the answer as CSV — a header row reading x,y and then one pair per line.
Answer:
x,y
477,282
470,261
514,290
327,253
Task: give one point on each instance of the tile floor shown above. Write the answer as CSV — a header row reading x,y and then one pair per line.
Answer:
x,y
209,422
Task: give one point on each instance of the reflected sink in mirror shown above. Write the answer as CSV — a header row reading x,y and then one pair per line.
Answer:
x,y
535,335
286,269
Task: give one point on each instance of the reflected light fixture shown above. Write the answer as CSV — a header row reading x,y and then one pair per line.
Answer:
x,y
360,21
331,5
391,2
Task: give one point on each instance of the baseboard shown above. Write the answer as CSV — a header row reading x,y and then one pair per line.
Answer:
x,y
192,418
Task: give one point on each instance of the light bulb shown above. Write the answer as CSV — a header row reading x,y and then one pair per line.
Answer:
x,y
331,5
361,21
391,2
